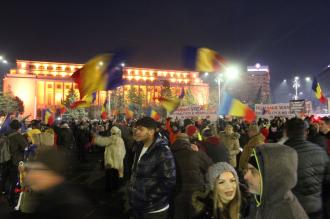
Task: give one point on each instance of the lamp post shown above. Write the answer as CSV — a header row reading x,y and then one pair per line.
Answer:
x,y
230,73
296,85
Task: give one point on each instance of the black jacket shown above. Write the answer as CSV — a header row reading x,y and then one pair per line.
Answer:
x,y
17,145
216,150
65,139
153,177
312,161
191,166
326,192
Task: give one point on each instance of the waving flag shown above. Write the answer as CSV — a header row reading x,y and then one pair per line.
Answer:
x,y
318,91
5,125
169,104
104,113
49,118
102,72
203,59
182,93
153,114
129,111
234,107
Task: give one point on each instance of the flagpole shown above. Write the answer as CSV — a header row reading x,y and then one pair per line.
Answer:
x,y
109,105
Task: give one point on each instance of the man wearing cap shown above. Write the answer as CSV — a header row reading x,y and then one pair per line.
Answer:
x,y
153,172
271,173
311,167
255,139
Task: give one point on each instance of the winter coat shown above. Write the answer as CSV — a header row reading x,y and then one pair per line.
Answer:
x,y
82,135
203,205
191,166
231,141
254,141
17,145
311,167
326,192
114,153
327,136
153,177
65,138
216,150
318,139
278,169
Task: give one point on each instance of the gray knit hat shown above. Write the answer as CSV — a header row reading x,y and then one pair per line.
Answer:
x,y
216,170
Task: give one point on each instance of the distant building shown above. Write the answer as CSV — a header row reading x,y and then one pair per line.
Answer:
x,y
45,84
253,86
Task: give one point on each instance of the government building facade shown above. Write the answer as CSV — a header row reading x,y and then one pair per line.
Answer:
x,y
44,85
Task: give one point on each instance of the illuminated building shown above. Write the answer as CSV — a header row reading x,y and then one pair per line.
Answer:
x,y
257,78
45,84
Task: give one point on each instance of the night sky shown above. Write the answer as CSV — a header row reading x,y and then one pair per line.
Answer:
x,y
292,37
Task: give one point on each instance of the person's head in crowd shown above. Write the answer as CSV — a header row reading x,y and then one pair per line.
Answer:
x,y
229,129
46,170
15,125
207,132
35,124
296,127
145,130
314,128
115,131
192,132
65,125
224,184
324,125
253,130
273,168
273,127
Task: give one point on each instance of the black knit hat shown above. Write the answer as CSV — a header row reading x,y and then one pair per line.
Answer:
x,y
147,122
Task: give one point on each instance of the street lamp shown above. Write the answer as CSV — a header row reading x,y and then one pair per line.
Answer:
x,y
307,79
230,73
296,85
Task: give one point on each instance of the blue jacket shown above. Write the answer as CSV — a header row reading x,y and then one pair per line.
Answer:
x,y
153,177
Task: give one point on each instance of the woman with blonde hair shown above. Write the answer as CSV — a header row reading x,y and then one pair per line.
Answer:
x,y
222,200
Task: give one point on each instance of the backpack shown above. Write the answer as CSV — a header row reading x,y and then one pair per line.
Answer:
x,y
4,149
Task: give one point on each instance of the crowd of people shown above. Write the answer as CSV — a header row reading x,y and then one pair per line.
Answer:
x,y
174,168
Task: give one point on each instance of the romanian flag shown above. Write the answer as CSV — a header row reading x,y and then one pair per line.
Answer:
x,y
318,91
78,104
154,114
4,127
169,104
234,107
182,93
129,111
103,72
49,118
104,113
203,59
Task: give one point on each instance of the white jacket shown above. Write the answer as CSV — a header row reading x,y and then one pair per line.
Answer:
x,y
114,150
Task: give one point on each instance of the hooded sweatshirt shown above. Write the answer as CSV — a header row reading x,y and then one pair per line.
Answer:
x,y
278,167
